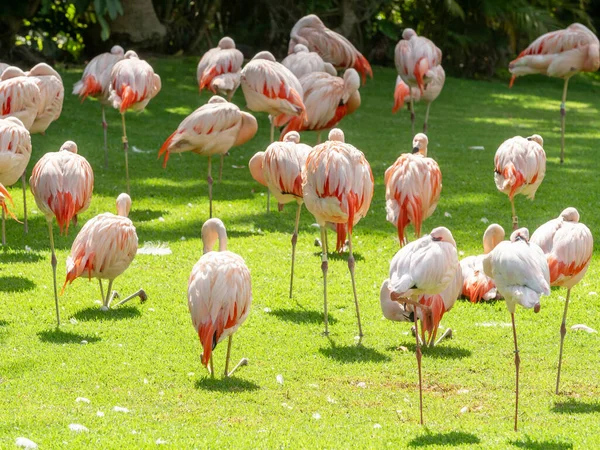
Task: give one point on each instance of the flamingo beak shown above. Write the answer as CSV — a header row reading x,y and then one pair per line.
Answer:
x,y
415,150
536,308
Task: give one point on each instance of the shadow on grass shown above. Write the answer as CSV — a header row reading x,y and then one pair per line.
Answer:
x,y
226,385
541,445
144,215
450,438
94,313
332,255
58,336
441,351
353,353
18,255
301,316
572,406
3,323
16,284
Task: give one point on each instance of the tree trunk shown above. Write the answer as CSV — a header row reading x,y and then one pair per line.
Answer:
x,y
139,24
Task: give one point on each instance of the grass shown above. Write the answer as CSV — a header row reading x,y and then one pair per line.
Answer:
x,y
146,357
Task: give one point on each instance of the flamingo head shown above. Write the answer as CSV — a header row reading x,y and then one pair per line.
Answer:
x,y
300,48
213,230
522,234
351,83
226,43
353,102
292,136
69,146
536,138
420,142
43,69
248,128
408,33
265,55
123,205
117,50
494,234
442,234
12,72
336,135
131,54
256,168
330,69
217,99
570,215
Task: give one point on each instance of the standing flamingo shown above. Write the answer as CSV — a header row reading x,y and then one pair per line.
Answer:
x,y
302,61
476,284
219,294
104,249
95,82
412,188
520,271
520,166
4,195
568,245
333,47
52,94
211,130
133,84
560,54
403,92
328,99
219,69
15,152
280,169
61,183
417,59
337,186
425,267
19,96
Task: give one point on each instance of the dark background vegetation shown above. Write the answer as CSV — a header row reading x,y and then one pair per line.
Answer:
x,y
476,36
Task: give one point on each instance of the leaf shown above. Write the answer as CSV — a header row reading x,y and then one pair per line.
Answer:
x,y
105,33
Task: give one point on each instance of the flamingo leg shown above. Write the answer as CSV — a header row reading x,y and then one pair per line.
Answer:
x,y
53,262
351,264
515,219
419,355
426,118
105,127
109,296
446,335
3,226
294,240
126,150
221,167
517,364
24,184
563,116
324,267
412,115
210,184
318,137
272,140
243,361
563,331
211,368
140,293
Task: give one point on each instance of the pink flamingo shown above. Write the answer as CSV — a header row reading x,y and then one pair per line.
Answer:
x,y
95,82
416,59
61,183
4,195
280,169
19,96
219,294
412,188
568,245
559,54
104,249
328,99
520,166
333,47
211,130
425,267
337,186
520,271
302,61
477,285
15,152
3,67
133,84
52,94
219,69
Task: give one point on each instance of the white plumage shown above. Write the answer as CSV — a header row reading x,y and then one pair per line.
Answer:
x,y
52,93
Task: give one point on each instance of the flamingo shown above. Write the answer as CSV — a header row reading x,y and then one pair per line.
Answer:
x,y
417,59
412,188
337,186
302,61
52,94
219,69
425,267
568,246
19,96
559,54
4,195
61,183
3,67
219,294
104,249
133,84
328,99
431,92
333,47
15,152
477,285
280,169
272,88
520,271
95,82
520,168
212,129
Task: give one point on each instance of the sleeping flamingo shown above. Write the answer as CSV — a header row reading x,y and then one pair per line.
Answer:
x,y
52,94
302,61
19,96
219,69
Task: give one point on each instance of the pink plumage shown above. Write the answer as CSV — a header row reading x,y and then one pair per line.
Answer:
x,y
15,150
415,58
52,93
19,96
219,69
95,81
302,61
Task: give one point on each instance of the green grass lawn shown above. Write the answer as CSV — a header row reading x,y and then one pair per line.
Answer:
x,y
335,393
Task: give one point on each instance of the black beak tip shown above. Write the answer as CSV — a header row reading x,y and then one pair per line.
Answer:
x,y
415,150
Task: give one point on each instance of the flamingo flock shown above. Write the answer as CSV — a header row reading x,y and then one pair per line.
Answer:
x,y
333,179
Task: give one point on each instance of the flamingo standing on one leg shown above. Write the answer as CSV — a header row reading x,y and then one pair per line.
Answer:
x,y
4,195
95,82
52,95
19,96
280,169
425,267
560,54
477,285
333,47
520,166
104,249
133,84
15,152
211,130
219,69
337,186
520,271
61,183
219,294
568,245
413,185
302,61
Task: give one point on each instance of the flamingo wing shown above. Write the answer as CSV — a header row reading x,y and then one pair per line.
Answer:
x,y
15,150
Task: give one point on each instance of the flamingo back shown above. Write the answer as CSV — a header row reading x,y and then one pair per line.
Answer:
x,y
19,96
52,93
95,81
219,62
415,58
133,84
15,150
302,61
282,170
